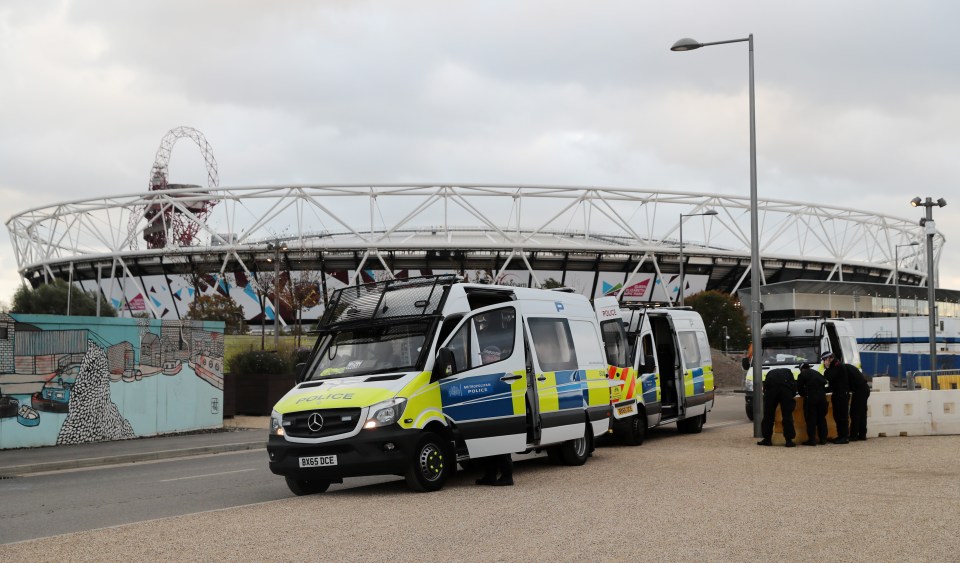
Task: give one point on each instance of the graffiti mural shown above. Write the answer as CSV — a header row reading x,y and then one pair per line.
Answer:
x,y
70,380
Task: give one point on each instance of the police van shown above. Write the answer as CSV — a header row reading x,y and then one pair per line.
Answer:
x,y
410,376
660,360
787,344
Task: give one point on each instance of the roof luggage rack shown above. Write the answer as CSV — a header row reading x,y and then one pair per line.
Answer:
x,y
408,298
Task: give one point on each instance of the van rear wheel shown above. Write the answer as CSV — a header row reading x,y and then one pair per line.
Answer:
x,y
692,425
575,452
634,432
431,465
301,487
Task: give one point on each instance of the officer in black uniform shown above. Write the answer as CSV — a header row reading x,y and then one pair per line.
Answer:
x,y
859,393
779,388
839,386
812,386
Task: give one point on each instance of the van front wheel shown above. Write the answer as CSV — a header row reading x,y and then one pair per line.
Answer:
x,y
431,464
301,487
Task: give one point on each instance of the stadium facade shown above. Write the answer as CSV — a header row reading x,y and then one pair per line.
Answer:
x,y
599,241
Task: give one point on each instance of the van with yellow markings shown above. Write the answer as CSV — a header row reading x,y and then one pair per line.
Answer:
x,y
660,362
410,376
789,343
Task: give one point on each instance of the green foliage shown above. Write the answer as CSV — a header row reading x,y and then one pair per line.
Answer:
x,y
267,362
51,299
218,307
550,283
259,361
720,310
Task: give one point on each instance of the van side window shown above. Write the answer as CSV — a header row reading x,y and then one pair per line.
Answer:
x,y
484,339
648,351
496,332
704,347
554,344
691,351
588,346
614,342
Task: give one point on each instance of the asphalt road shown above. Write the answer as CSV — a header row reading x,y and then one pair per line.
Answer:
x,y
43,505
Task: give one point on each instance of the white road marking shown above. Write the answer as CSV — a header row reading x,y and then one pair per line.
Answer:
x,y
207,475
728,423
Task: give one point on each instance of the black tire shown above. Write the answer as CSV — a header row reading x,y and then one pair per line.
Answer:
x,y
301,487
634,431
431,464
692,425
749,409
575,452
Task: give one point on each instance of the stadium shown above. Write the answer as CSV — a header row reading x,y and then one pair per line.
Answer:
x,y
149,253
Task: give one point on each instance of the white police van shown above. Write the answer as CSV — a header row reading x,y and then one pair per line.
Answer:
x,y
410,376
787,344
660,360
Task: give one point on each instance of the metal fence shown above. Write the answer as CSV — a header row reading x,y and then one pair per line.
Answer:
x,y
946,379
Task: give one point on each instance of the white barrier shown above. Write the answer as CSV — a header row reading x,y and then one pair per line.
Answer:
x,y
881,384
945,411
900,413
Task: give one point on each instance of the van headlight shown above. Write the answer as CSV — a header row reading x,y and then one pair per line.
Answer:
x,y
748,383
385,413
276,424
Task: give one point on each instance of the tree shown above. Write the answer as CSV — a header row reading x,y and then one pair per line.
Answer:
x,y
550,283
51,299
720,310
218,307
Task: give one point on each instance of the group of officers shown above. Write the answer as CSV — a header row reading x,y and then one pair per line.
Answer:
x,y
849,393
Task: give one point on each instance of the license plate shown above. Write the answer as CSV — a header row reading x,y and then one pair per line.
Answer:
x,y
625,410
318,461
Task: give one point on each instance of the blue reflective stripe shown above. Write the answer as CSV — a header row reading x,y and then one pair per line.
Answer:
x,y
698,381
571,389
476,397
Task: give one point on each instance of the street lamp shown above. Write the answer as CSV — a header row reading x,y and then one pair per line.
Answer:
x,y
688,44
682,215
930,228
277,247
896,285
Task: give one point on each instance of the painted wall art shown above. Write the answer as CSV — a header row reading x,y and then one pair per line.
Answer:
x,y
71,380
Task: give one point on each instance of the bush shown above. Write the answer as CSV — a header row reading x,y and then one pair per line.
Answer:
x,y
259,361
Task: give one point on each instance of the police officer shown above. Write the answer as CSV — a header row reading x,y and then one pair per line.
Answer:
x,y
839,385
859,393
779,388
492,465
813,388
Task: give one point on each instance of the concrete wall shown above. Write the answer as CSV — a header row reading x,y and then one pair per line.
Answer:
x,y
69,380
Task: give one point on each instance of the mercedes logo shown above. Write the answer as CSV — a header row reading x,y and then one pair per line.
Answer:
x,y
315,422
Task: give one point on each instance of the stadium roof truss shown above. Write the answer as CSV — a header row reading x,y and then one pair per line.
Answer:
x,y
378,224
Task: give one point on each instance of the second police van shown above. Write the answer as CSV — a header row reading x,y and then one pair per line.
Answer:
x,y
787,344
410,376
660,359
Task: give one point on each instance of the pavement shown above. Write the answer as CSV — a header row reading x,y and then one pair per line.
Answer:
x,y
238,433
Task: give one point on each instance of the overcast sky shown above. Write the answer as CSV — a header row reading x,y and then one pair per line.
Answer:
x,y
858,102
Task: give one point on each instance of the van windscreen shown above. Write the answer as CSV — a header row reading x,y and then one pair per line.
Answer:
x,y
371,349
789,351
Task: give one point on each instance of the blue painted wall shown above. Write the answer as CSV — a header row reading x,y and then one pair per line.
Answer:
x,y
885,363
67,380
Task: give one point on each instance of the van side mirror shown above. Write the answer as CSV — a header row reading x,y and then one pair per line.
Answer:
x,y
445,364
745,363
300,371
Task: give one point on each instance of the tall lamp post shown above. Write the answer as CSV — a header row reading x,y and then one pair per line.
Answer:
x,y
896,285
688,44
277,247
930,229
682,215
